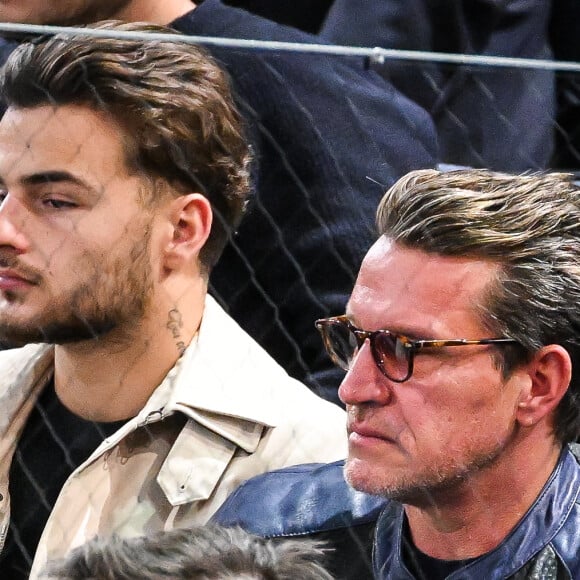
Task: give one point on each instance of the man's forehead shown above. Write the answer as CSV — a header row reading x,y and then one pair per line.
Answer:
x,y
57,138
20,125
415,290
32,124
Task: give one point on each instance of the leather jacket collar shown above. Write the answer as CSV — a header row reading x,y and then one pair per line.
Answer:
x,y
554,518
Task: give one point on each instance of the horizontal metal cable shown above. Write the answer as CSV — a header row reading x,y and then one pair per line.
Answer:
x,y
375,54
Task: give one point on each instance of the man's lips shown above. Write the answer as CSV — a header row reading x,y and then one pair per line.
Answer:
x,y
363,433
12,280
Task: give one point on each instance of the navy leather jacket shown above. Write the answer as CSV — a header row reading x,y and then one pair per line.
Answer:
x,y
315,501
310,500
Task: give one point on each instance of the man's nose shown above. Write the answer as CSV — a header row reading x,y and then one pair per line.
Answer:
x,y
364,382
13,217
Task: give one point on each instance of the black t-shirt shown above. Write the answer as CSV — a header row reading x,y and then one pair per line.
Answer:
x,y
53,444
424,567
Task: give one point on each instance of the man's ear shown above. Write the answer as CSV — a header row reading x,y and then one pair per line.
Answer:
x,y
191,218
550,372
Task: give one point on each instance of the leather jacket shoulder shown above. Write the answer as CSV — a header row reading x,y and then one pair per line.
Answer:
x,y
310,500
314,500
544,545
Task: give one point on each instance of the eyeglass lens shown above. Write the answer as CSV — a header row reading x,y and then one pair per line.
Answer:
x,y
390,355
343,343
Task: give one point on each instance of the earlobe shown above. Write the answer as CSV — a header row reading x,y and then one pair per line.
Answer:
x,y
191,219
550,372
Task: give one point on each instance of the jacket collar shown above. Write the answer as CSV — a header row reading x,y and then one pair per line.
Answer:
x,y
538,527
25,371
224,381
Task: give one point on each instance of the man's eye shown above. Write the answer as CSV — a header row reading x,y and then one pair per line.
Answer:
x,y
58,203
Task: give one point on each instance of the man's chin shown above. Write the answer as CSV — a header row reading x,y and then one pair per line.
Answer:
x,y
360,476
70,332
376,480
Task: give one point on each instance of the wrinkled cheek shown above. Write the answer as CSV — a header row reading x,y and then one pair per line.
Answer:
x,y
468,434
430,439
419,446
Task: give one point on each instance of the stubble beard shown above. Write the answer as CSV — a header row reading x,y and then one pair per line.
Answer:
x,y
111,296
423,488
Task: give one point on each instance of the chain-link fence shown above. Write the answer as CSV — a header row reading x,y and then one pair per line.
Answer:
x,y
331,128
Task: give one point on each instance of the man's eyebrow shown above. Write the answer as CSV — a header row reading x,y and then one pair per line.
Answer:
x,y
44,177
57,176
412,334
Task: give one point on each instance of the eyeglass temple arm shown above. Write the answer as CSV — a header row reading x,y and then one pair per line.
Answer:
x,y
417,344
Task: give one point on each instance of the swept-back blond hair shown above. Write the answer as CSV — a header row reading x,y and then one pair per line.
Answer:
x,y
530,226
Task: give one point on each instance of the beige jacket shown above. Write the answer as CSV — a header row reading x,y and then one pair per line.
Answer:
x,y
224,413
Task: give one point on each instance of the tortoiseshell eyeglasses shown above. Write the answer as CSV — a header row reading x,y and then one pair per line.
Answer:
x,y
394,354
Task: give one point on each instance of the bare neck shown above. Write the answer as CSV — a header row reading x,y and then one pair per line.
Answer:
x,y
154,11
111,378
476,517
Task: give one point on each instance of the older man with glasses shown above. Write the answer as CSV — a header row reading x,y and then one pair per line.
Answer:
x,y
466,453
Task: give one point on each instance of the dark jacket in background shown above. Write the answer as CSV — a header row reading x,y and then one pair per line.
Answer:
x,y
565,42
306,15
521,32
499,118
329,138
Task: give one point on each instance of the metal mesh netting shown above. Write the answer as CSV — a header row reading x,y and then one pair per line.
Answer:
x,y
322,162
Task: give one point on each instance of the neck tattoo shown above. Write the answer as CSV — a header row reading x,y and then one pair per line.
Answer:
x,y
175,324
